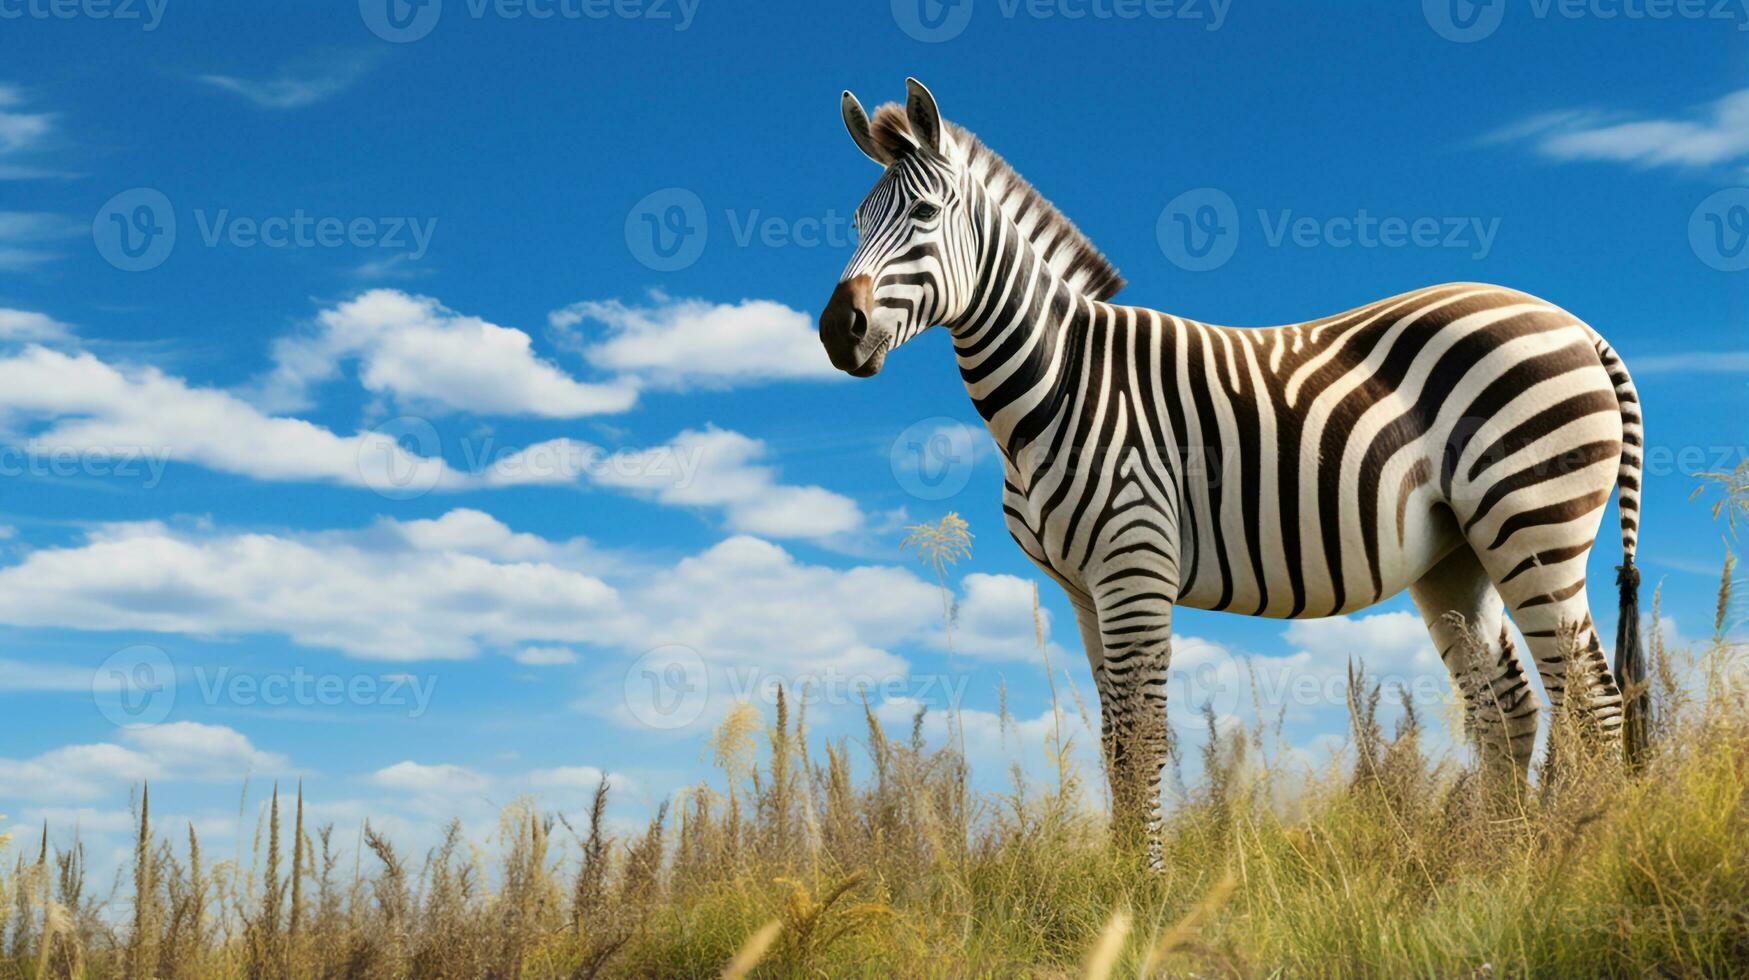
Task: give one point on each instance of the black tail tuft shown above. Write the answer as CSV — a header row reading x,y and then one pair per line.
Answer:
x,y
1630,663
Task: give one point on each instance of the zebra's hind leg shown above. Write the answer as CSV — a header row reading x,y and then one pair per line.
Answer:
x,y
1545,594
1569,656
1465,616
1134,632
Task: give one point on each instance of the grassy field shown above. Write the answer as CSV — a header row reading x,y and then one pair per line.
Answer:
x,y
876,858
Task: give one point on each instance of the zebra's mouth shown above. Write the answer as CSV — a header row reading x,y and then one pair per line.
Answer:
x,y
872,365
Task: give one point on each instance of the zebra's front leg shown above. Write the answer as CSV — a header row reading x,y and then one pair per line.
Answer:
x,y
1135,633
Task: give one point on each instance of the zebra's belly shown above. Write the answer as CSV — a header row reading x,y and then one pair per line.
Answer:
x,y
1429,534
1249,561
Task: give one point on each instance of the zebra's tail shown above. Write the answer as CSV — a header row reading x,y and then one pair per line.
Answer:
x,y
1630,654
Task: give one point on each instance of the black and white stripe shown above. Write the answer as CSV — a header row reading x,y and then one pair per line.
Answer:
x,y
1460,441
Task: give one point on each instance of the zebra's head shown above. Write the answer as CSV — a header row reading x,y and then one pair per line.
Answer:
x,y
915,259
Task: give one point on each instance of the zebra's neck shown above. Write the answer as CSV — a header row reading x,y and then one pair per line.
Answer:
x,y
1022,341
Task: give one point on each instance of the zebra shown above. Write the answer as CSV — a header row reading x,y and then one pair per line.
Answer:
x,y
1460,441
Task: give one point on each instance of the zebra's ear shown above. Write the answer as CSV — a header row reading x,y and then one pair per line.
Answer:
x,y
923,114
856,121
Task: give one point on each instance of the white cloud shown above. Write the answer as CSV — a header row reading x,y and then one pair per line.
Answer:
x,y
991,747
23,325
686,343
710,469
302,83
36,226
26,237
21,134
86,819
1688,362
446,791
192,750
364,593
180,751
1390,642
732,478
1670,634
74,772
425,780
462,583
747,602
544,656
571,778
21,675
1717,133
21,131
993,619
473,532
434,360
400,265
92,404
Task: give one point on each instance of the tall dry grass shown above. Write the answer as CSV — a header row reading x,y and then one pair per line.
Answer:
x,y
875,857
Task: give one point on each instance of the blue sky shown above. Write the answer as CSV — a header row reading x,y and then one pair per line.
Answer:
x,y
475,397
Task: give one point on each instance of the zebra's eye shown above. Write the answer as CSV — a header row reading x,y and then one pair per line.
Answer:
x,y
924,211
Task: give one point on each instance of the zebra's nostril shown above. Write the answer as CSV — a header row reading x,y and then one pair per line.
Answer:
x,y
858,324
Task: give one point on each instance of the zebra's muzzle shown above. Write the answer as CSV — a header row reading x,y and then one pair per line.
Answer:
x,y
844,329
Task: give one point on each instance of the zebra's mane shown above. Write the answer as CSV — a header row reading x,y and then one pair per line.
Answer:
x,y
1062,246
